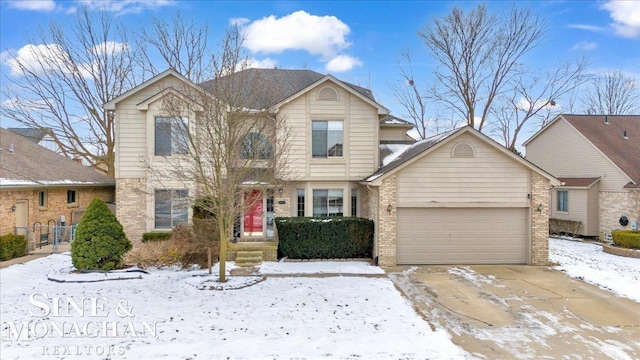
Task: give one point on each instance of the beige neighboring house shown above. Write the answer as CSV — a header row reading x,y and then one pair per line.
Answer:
x,y
457,198
39,186
597,157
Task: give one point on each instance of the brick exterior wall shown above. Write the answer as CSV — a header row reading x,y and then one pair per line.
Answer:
x,y
613,205
131,207
56,204
540,195
386,227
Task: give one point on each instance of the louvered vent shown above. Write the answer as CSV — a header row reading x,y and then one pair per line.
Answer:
x,y
462,150
327,93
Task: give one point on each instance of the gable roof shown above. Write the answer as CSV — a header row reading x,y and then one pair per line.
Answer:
x,y
282,85
393,121
578,182
427,145
26,164
34,135
606,133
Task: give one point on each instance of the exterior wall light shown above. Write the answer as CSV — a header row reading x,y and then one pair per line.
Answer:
x,y
13,208
540,207
389,208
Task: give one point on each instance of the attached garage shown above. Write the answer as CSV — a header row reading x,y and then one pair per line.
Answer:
x,y
460,198
461,236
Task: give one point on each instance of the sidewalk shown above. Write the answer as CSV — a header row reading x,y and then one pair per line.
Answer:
x,y
35,254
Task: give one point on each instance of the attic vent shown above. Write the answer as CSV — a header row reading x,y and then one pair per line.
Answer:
x,y
327,94
462,150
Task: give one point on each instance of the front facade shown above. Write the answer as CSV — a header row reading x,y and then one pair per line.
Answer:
x,y
40,187
337,133
597,158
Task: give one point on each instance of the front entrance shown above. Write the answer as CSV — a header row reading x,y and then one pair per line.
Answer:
x,y
257,220
22,217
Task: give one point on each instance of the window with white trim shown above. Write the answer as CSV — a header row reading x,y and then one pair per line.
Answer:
x,y
171,208
327,139
171,136
563,201
328,203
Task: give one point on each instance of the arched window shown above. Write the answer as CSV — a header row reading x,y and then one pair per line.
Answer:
x,y
327,93
462,150
256,146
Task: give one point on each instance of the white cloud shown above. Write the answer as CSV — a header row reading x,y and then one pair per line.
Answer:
x,y
33,5
525,104
110,48
30,57
592,28
585,45
239,21
126,6
626,17
266,63
318,35
342,63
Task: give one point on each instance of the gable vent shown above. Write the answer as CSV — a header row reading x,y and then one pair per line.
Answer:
x,y
462,150
327,94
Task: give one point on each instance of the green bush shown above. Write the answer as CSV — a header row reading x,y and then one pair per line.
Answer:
x,y
12,246
155,236
627,238
100,241
325,238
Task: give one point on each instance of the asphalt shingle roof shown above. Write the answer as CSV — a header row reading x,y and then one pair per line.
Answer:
x,y
24,163
34,135
609,138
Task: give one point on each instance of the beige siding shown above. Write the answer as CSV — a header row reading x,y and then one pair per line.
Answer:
x,y
360,155
132,130
577,206
393,134
593,211
563,152
488,179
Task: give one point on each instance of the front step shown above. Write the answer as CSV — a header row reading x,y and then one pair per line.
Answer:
x,y
249,258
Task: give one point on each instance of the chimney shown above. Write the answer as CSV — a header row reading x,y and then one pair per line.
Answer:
x,y
11,147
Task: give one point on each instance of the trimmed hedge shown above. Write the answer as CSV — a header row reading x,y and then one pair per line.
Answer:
x,y
155,236
324,238
12,246
627,238
100,241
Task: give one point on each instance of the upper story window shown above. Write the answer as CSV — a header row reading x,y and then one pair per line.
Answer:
x,y
71,197
563,200
42,199
256,146
327,93
327,139
171,136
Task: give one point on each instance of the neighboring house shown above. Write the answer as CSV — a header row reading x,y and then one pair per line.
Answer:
x,y
459,198
40,186
597,157
38,136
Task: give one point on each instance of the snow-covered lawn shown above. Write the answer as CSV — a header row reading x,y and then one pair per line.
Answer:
x,y
588,262
164,315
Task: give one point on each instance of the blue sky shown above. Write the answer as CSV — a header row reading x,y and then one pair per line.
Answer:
x,y
357,41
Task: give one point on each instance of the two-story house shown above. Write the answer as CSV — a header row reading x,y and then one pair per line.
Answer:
x,y
597,157
456,198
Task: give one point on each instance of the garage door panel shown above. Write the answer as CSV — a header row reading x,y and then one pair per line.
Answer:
x,y
461,235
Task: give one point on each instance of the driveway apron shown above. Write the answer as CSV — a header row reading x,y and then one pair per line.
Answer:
x,y
505,312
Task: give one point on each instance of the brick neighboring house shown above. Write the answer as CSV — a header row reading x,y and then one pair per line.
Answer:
x,y
39,185
597,157
462,184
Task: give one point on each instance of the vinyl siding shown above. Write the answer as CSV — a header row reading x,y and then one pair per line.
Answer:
x,y
393,134
360,136
132,130
564,152
488,179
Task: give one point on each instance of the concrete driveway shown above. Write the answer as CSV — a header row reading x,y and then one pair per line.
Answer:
x,y
505,312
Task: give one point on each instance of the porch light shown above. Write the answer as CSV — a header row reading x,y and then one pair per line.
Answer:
x,y
540,207
13,208
389,208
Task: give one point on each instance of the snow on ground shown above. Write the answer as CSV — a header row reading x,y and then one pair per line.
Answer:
x,y
319,267
588,262
163,315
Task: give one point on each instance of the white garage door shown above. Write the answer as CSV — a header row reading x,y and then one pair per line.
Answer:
x,y
461,236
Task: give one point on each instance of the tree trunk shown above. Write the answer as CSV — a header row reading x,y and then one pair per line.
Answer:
x,y
209,259
223,255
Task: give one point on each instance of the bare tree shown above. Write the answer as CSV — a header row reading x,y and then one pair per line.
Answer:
x,y
478,53
535,97
234,151
613,93
60,85
180,44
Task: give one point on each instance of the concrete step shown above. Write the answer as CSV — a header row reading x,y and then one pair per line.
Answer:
x,y
249,258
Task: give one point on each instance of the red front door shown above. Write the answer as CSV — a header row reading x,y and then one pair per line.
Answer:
x,y
253,214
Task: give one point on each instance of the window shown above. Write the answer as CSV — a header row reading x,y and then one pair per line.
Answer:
x,y
71,197
171,136
563,201
354,202
256,146
327,203
171,208
326,139
300,202
42,199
